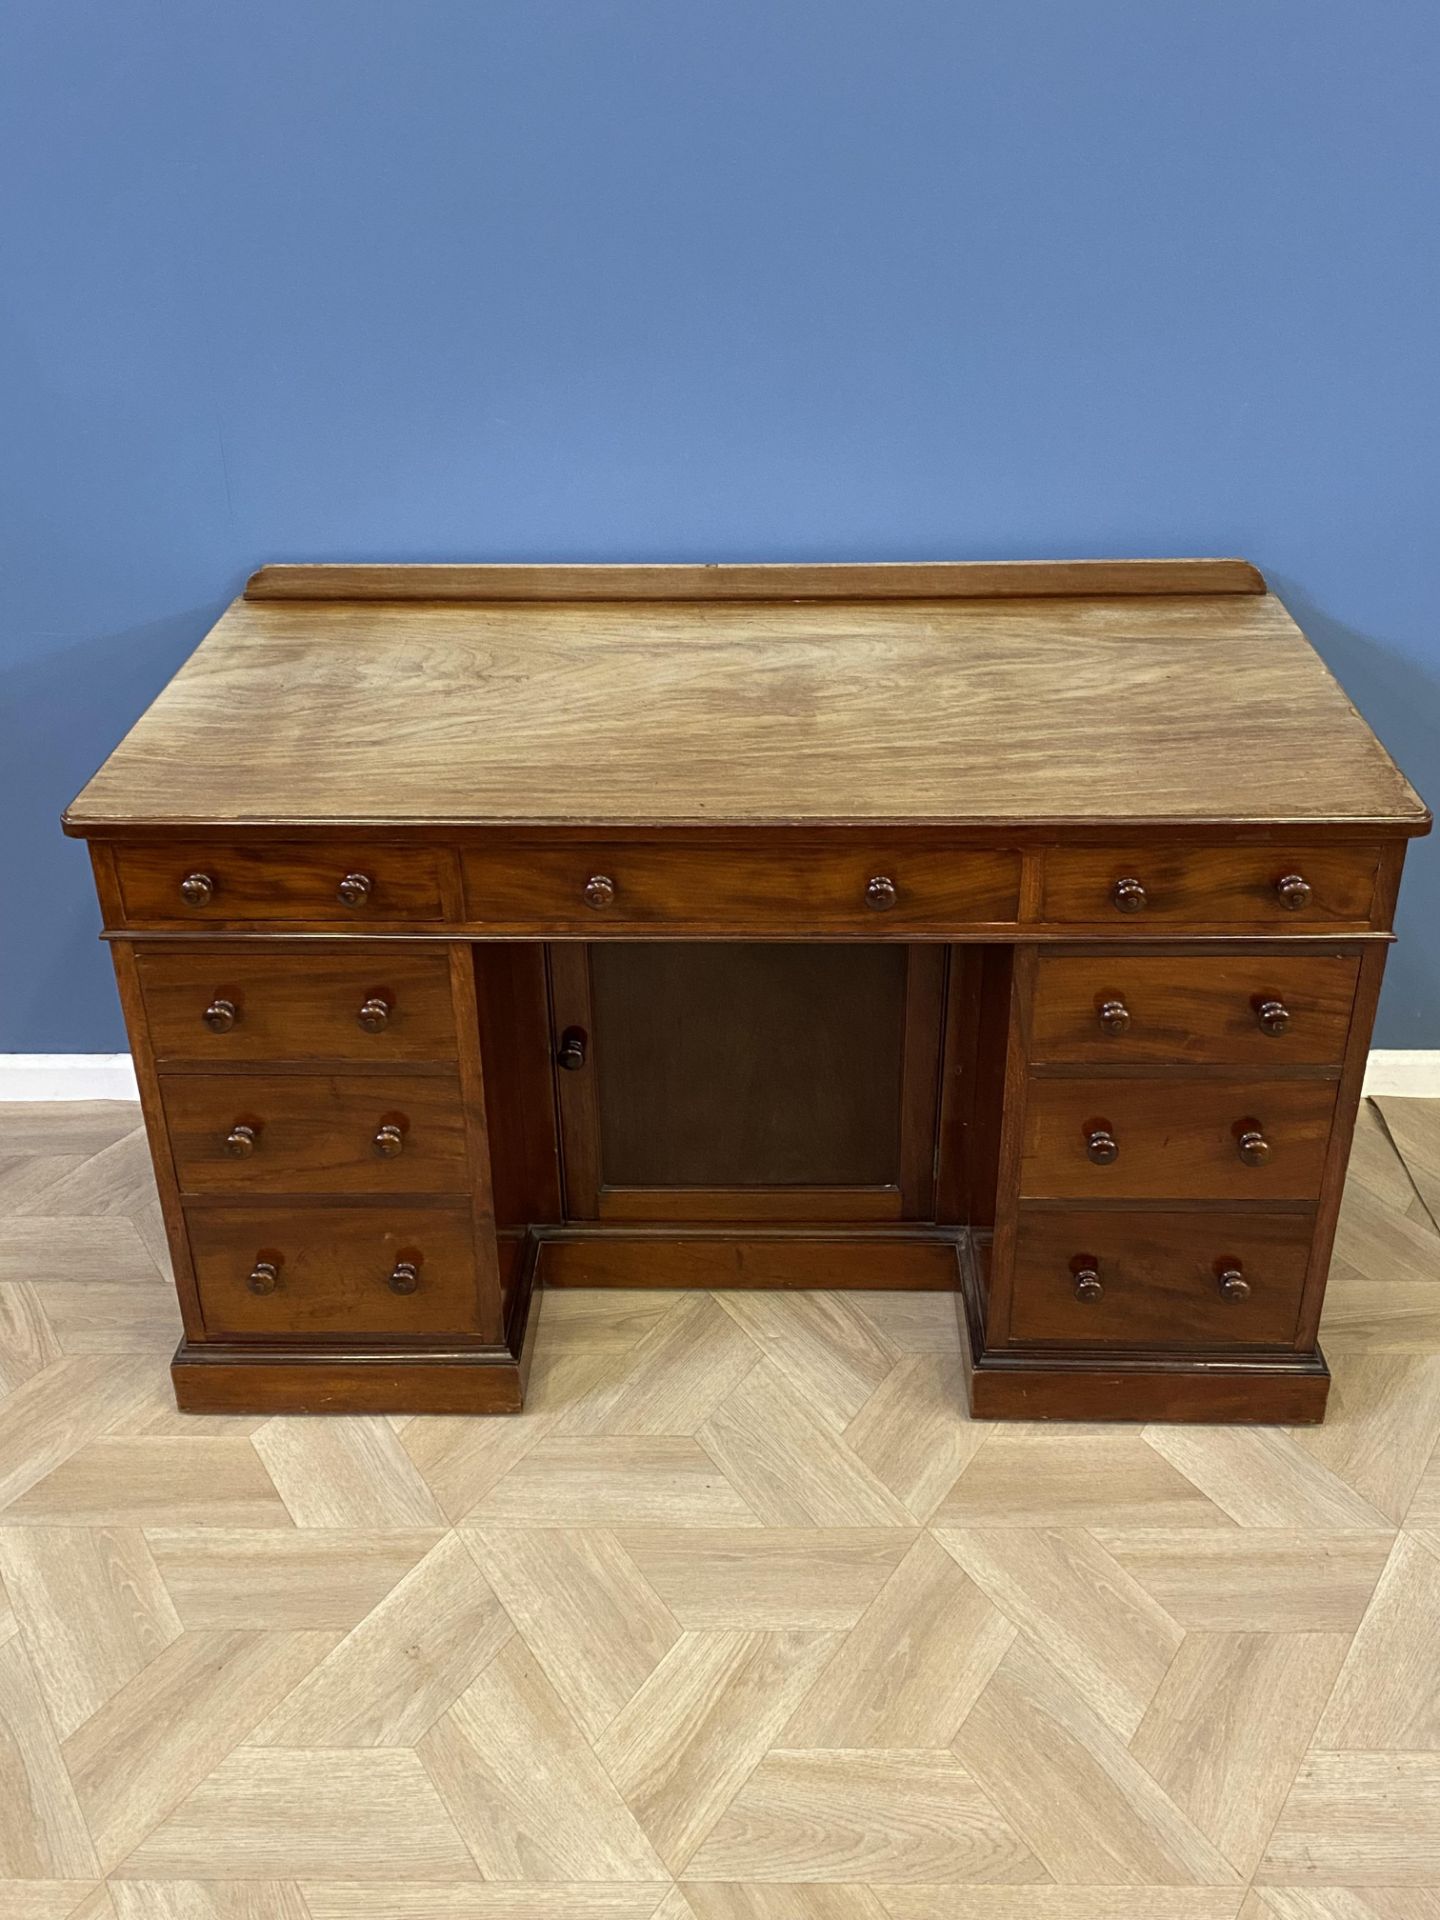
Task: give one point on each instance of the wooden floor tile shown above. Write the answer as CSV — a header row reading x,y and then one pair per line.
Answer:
x,y
345,1473
43,1899
828,1350
278,1578
1113,1642
1098,1477
1358,1819
1254,1580
1262,1477
767,1578
868,1817
1080,1798
588,1615
615,1481
109,1316
397,1671
1062,1903
1388,1693
1229,1726
673,1379
524,1786
43,1834
51,1416
1383,1316
197,1482
699,1726
924,1322
1382,1422
93,1609
586,1319
350,1900
208,1900
275,1813
913,1666
914,1433
756,1900
27,1340
791,1467
460,1458
1345,1903
76,1252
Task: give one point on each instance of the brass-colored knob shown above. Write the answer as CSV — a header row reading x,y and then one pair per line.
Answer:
x,y
196,889
1293,891
264,1277
374,1014
1088,1287
1128,895
390,1140
242,1140
354,890
1233,1284
880,892
404,1277
1252,1147
599,891
221,1014
571,1052
1102,1147
1114,1016
1273,1016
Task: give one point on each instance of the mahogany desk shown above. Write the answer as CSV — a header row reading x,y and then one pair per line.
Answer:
x,y
1011,929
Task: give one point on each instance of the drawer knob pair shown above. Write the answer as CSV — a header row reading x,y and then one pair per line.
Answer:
x,y
243,1138
1128,894
264,1277
1085,1274
198,889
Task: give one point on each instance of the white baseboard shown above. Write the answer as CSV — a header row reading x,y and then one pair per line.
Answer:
x,y
1413,1071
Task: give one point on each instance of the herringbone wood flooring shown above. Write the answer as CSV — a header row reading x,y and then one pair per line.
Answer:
x,y
742,1620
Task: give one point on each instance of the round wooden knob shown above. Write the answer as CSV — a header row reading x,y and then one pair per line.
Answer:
x,y
1273,1016
196,889
390,1140
1102,1147
221,1014
1128,895
1114,1016
264,1277
1233,1284
599,890
242,1140
1088,1287
1252,1147
571,1052
374,1014
404,1277
1293,891
880,892
354,889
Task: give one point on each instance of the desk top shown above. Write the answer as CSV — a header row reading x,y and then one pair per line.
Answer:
x,y
1050,694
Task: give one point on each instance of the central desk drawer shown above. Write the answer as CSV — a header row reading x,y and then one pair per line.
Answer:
x,y
215,883
308,1133
873,890
308,1272
1158,1280
1190,1139
297,1001
1128,1008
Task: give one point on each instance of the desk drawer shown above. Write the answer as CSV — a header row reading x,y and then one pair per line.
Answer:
x,y
1181,1139
1159,1280
302,1001
309,1133
209,883
1286,891
1129,1008
312,1272
873,890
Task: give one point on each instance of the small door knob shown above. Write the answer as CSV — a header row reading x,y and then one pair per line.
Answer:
x,y
571,1053
1293,891
354,890
1102,1147
242,1140
264,1277
1233,1284
1088,1286
196,889
390,1140
1273,1016
1114,1016
374,1014
880,892
599,891
1252,1147
404,1277
1129,896
221,1014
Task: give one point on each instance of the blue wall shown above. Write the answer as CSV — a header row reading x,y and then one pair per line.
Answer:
x,y
683,279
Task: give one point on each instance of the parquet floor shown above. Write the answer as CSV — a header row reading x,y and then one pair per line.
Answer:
x,y
743,1621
